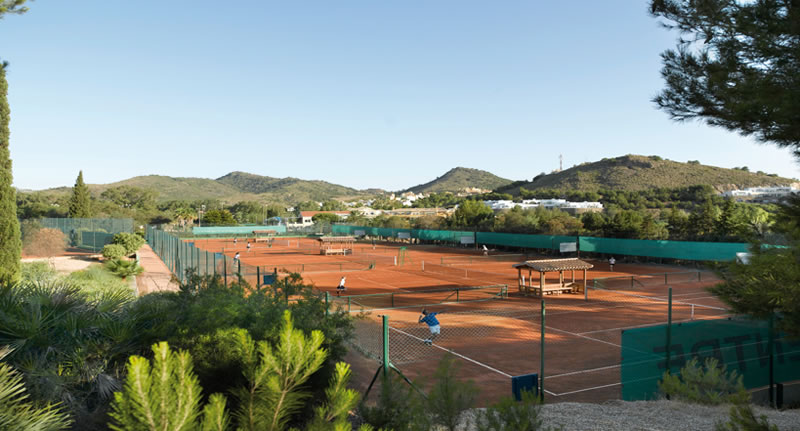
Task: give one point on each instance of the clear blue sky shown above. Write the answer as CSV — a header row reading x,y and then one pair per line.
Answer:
x,y
362,93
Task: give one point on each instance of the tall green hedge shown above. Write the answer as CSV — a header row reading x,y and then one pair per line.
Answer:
x,y
10,237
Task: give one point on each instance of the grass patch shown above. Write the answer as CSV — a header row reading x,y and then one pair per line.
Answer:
x,y
96,281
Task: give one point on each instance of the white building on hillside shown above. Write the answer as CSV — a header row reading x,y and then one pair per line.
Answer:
x,y
762,192
563,204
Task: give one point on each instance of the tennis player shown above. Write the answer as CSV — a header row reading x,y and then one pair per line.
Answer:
x,y
433,324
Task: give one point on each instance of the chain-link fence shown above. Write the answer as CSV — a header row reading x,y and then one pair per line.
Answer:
x,y
88,233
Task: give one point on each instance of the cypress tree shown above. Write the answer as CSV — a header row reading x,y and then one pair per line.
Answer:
x,y
79,204
10,238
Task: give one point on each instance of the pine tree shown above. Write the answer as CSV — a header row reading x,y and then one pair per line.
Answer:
x,y
10,237
79,203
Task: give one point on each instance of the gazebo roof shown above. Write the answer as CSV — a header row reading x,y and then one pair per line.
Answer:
x,y
336,239
547,265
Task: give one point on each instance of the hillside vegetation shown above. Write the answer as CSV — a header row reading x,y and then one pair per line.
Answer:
x,y
287,189
457,179
233,187
635,173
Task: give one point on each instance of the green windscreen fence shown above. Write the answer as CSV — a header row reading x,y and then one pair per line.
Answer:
x,y
684,250
448,236
740,344
235,230
522,240
89,233
451,236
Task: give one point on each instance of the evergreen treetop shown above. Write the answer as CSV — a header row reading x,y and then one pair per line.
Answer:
x,y
80,203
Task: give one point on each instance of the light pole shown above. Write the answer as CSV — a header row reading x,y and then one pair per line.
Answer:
x,y
202,210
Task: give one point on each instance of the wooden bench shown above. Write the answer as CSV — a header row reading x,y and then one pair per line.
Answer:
x,y
554,288
327,251
263,239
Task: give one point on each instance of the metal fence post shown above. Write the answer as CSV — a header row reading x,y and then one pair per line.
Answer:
x,y
541,365
385,345
669,330
771,348
258,284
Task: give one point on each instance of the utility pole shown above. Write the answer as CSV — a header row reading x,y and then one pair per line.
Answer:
x,y
560,162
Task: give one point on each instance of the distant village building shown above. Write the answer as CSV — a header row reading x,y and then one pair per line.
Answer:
x,y
562,204
368,212
419,212
467,191
307,216
757,194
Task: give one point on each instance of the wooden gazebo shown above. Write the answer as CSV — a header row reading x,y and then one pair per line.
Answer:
x,y
551,265
336,245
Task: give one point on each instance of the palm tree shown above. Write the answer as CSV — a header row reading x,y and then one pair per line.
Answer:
x,y
71,348
16,410
185,215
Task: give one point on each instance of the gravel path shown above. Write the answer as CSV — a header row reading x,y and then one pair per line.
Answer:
x,y
652,416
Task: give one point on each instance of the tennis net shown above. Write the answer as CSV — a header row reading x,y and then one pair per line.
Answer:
x,y
417,298
458,260
380,258
321,267
457,272
689,306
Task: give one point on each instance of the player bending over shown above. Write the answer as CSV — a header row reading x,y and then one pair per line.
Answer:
x,y
433,324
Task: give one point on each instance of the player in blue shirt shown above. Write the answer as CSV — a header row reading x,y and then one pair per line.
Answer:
x,y
433,324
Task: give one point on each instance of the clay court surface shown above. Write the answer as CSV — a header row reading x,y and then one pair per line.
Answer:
x,y
494,338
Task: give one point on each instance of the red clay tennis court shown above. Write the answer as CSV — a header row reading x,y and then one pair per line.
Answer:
x,y
493,329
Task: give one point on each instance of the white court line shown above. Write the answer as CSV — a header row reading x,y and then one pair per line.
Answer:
x,y
584,390
591,370
582,336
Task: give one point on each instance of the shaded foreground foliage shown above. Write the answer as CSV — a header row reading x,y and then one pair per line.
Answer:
x,y
167,395
71,345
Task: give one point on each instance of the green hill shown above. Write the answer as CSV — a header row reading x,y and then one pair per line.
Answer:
x,y
231,188
457,179
177,188
290,190
632,172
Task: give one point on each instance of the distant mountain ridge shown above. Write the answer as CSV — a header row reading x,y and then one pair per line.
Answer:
x,y
458,179
634,172
234,187
629,173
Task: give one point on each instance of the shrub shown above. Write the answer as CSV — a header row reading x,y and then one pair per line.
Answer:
x,y
130,241
124,268
113,251
70,348
708,384
167,394
394,407
449,397
512,415
36,272
97,282
17,412
742,418
46,242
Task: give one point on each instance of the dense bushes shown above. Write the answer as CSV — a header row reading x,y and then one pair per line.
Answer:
x,y
167,395
113,251
74,342
45,242
130,241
